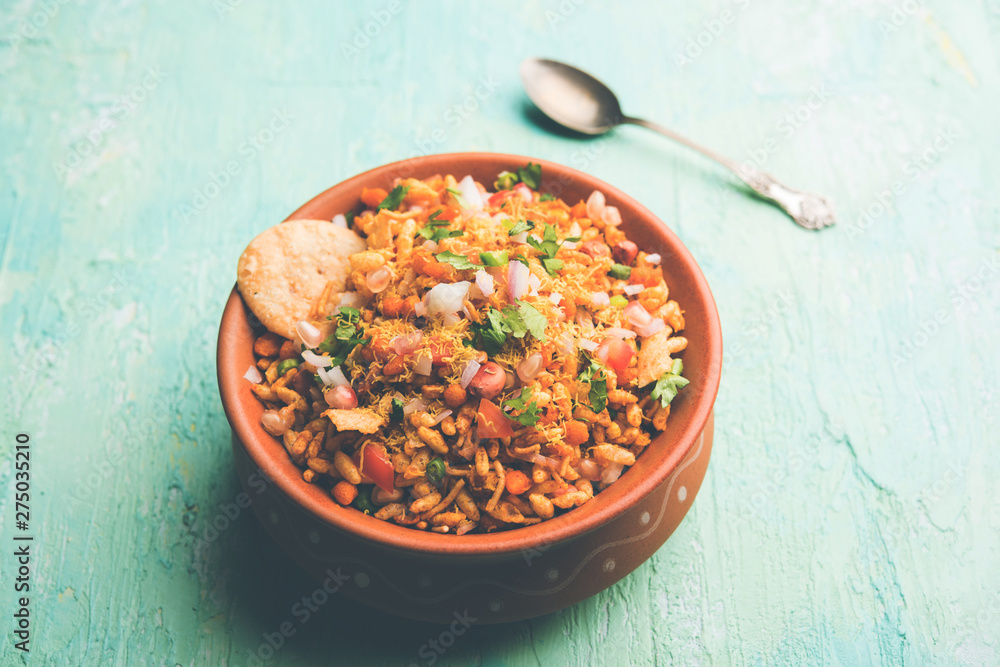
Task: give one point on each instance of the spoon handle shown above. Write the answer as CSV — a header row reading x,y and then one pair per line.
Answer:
x,y
809,210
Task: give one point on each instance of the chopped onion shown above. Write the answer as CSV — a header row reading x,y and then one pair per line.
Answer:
x,y
414,405
341,397
447,297
340,220
569,245
275,423
595,205
408,343
566,344
517,279
309,334
430,246
509,380
351,300
253,375
588,345
440,418
471,368
337,377
420,307
555,298
534,281
470,192
612,473
632,290
574,230
620,333
451,319
583,317
484,282
423,365
600,300
378,279
656,325
520,237
324,376
317,360
529,369
525,192
589,469
654,259
603,351
611,216
416,208
637,315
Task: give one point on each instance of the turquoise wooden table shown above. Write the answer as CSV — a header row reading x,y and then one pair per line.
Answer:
x,y
849,516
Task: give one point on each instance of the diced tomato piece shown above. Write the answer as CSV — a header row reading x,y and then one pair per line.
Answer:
x,y
491,422
497,198
373,196
441,350
616,353
447,213
375,467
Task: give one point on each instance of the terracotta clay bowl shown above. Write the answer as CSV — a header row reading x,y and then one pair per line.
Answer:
x,y
503,576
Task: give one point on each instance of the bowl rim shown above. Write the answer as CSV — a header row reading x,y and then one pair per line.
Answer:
x,y
273,461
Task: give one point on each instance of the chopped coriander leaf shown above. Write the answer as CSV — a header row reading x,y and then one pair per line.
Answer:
x,y
521,226
498,258
522,259
548,196
347,336
529,413
669,384
620,271
350,215
505,181
397,410
551,265
394,198
598,387
490,335
517,320
531,175
619,301
532,319
436,230
548,247
349,314
460,262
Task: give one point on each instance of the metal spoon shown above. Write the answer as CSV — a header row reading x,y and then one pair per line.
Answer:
x,y
578,101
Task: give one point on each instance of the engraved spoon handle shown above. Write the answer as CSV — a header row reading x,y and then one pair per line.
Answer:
x,y
809,210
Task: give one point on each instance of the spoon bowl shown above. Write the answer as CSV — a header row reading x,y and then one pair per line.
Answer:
x,y
570,96
579,102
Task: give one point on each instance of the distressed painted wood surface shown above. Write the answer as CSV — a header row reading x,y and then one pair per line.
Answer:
x,y
849,516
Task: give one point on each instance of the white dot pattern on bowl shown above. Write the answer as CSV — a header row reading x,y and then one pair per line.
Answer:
x,y
682,493
496,606
362,580
609,565
314,537
644,518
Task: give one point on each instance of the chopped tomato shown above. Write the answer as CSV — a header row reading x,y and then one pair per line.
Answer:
x,y
447,213
616,353
498,197
491,422
441,350
375,466
373,196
